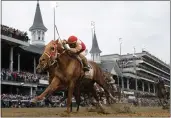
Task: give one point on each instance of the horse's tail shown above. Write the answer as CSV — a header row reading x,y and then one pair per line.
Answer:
x,y
99,78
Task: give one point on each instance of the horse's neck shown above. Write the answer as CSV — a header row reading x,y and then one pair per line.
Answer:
x,y
52,71
63,61
60,66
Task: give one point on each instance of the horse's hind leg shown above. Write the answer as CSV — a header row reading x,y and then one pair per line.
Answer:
x,y
106,91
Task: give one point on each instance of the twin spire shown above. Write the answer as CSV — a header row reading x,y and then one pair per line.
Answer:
x,y
38,22
95,47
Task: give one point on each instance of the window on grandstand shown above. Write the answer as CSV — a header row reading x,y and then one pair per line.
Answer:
x,y
42,38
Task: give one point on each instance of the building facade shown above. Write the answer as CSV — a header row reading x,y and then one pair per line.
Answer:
x,y
138,72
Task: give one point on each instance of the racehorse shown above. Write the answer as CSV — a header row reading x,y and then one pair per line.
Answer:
x,y
65,69
161,93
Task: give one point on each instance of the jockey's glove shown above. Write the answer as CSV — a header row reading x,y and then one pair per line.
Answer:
x,y
73,50
65,47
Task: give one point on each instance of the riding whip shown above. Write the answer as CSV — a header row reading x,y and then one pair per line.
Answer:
x,y
57,32
59,37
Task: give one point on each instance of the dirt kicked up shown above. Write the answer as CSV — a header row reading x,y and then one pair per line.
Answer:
x,y
59,112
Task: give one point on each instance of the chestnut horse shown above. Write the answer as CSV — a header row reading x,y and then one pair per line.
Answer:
x,y
65,69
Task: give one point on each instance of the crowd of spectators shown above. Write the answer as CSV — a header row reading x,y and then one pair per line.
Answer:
x,y
14,33
14,100
21,101
11,100
25,77
145,102
152,102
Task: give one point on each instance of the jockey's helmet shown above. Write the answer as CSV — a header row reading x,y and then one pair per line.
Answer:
x,y
72,39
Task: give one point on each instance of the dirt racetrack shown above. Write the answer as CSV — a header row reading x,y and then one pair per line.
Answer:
x,y
58,112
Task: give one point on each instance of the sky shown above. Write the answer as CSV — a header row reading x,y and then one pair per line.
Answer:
x,y
140,24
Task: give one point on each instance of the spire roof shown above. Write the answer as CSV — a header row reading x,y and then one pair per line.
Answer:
x,y
95,46
38,22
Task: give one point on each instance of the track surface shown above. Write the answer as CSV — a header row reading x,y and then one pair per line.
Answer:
x,y
57,112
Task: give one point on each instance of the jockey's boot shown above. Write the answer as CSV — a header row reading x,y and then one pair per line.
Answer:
x,y
85,63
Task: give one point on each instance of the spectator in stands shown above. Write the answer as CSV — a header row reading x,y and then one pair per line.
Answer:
x,y
21,76
11,32
11,100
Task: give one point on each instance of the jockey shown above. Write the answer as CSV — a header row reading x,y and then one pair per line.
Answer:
x,y
77,47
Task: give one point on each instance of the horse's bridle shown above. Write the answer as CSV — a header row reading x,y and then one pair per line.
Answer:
x,y
54,53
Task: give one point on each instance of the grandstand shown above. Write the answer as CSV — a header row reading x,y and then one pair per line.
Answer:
x,y
18,65
136,72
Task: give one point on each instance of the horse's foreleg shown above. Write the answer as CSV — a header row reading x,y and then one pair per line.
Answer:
x,y
70,93
51,88
78,98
